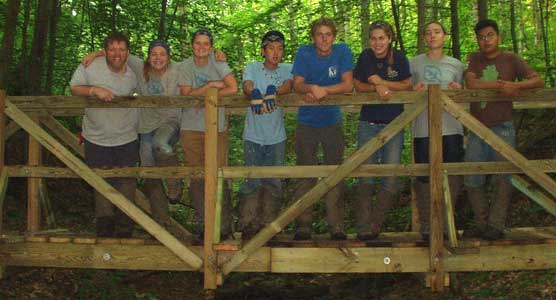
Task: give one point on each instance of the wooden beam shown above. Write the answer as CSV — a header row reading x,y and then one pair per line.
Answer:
x,y
58,104
436,220
103,187
11,129
383,170
211,174
64,134
499,145
450,222
324,185
534,193
504,258
33,184
278,260
349,260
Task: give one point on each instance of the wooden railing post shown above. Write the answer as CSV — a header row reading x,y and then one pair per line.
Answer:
x,y
436,212
33,185
211,179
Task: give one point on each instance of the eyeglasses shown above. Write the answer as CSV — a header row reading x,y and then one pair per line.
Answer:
x,y
489,37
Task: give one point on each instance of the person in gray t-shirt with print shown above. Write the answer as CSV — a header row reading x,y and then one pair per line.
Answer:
x,y
110,133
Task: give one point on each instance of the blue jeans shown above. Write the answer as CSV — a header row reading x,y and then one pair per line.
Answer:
x,y
161,139
390,153
478,150
263,155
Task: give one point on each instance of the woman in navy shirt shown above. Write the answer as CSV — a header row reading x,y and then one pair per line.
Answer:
x,y
381,69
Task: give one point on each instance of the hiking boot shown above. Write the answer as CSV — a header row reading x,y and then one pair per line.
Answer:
x,y
362,206
492,233
476,231
105,226
174,185
372,234
302,235
249,211
271,203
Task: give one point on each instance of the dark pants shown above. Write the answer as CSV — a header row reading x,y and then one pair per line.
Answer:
x,y
126,155
307,141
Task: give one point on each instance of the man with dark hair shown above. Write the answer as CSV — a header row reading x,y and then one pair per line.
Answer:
x,y
264,134
320,69
110,133
492,68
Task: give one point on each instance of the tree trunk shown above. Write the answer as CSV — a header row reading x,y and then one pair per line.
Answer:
x,y
396,14
456,51
435,8
365,20
543,13
292,7
55,11
513,25
162,23
482,9
171,22
421,15
37,50
114,15
8,41
23,66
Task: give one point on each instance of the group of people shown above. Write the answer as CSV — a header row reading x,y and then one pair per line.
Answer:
x,y
320,69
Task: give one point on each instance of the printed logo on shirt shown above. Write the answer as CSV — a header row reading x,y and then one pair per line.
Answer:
x,y
201,79
332,72
392,74
155,88
432,73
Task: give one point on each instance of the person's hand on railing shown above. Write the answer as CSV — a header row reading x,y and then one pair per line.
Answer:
x,y
508,88
318,92
88,59
383,92
219,84
455,86
375,79
419,87
256,101
101,93
269,102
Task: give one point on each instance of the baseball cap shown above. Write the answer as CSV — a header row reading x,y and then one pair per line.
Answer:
x,y
273,36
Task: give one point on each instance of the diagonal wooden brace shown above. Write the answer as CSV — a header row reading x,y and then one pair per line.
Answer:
x,y
499,145
534,193
103,187
324,185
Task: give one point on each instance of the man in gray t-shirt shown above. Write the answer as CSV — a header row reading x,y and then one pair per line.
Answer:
x,y
110,133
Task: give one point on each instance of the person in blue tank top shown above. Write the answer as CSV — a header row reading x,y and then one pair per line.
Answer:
x,y
381,69
320,69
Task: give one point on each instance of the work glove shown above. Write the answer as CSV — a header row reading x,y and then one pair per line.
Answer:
x,y
256,101
270,98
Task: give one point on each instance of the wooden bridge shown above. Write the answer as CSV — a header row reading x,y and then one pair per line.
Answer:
x,y
523,248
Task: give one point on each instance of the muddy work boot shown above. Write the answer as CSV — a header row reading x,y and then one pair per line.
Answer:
x,y
248,213
422,192
271,203
498,208
159,204
174,185
123,224
105,226
305,220
477,197
384,202
362,210
334,201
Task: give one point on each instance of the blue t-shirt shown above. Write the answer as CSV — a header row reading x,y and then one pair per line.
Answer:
x,y
323,71
368,64
266,129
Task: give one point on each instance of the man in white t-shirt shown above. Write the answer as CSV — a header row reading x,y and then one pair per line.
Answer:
x,y
110,133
